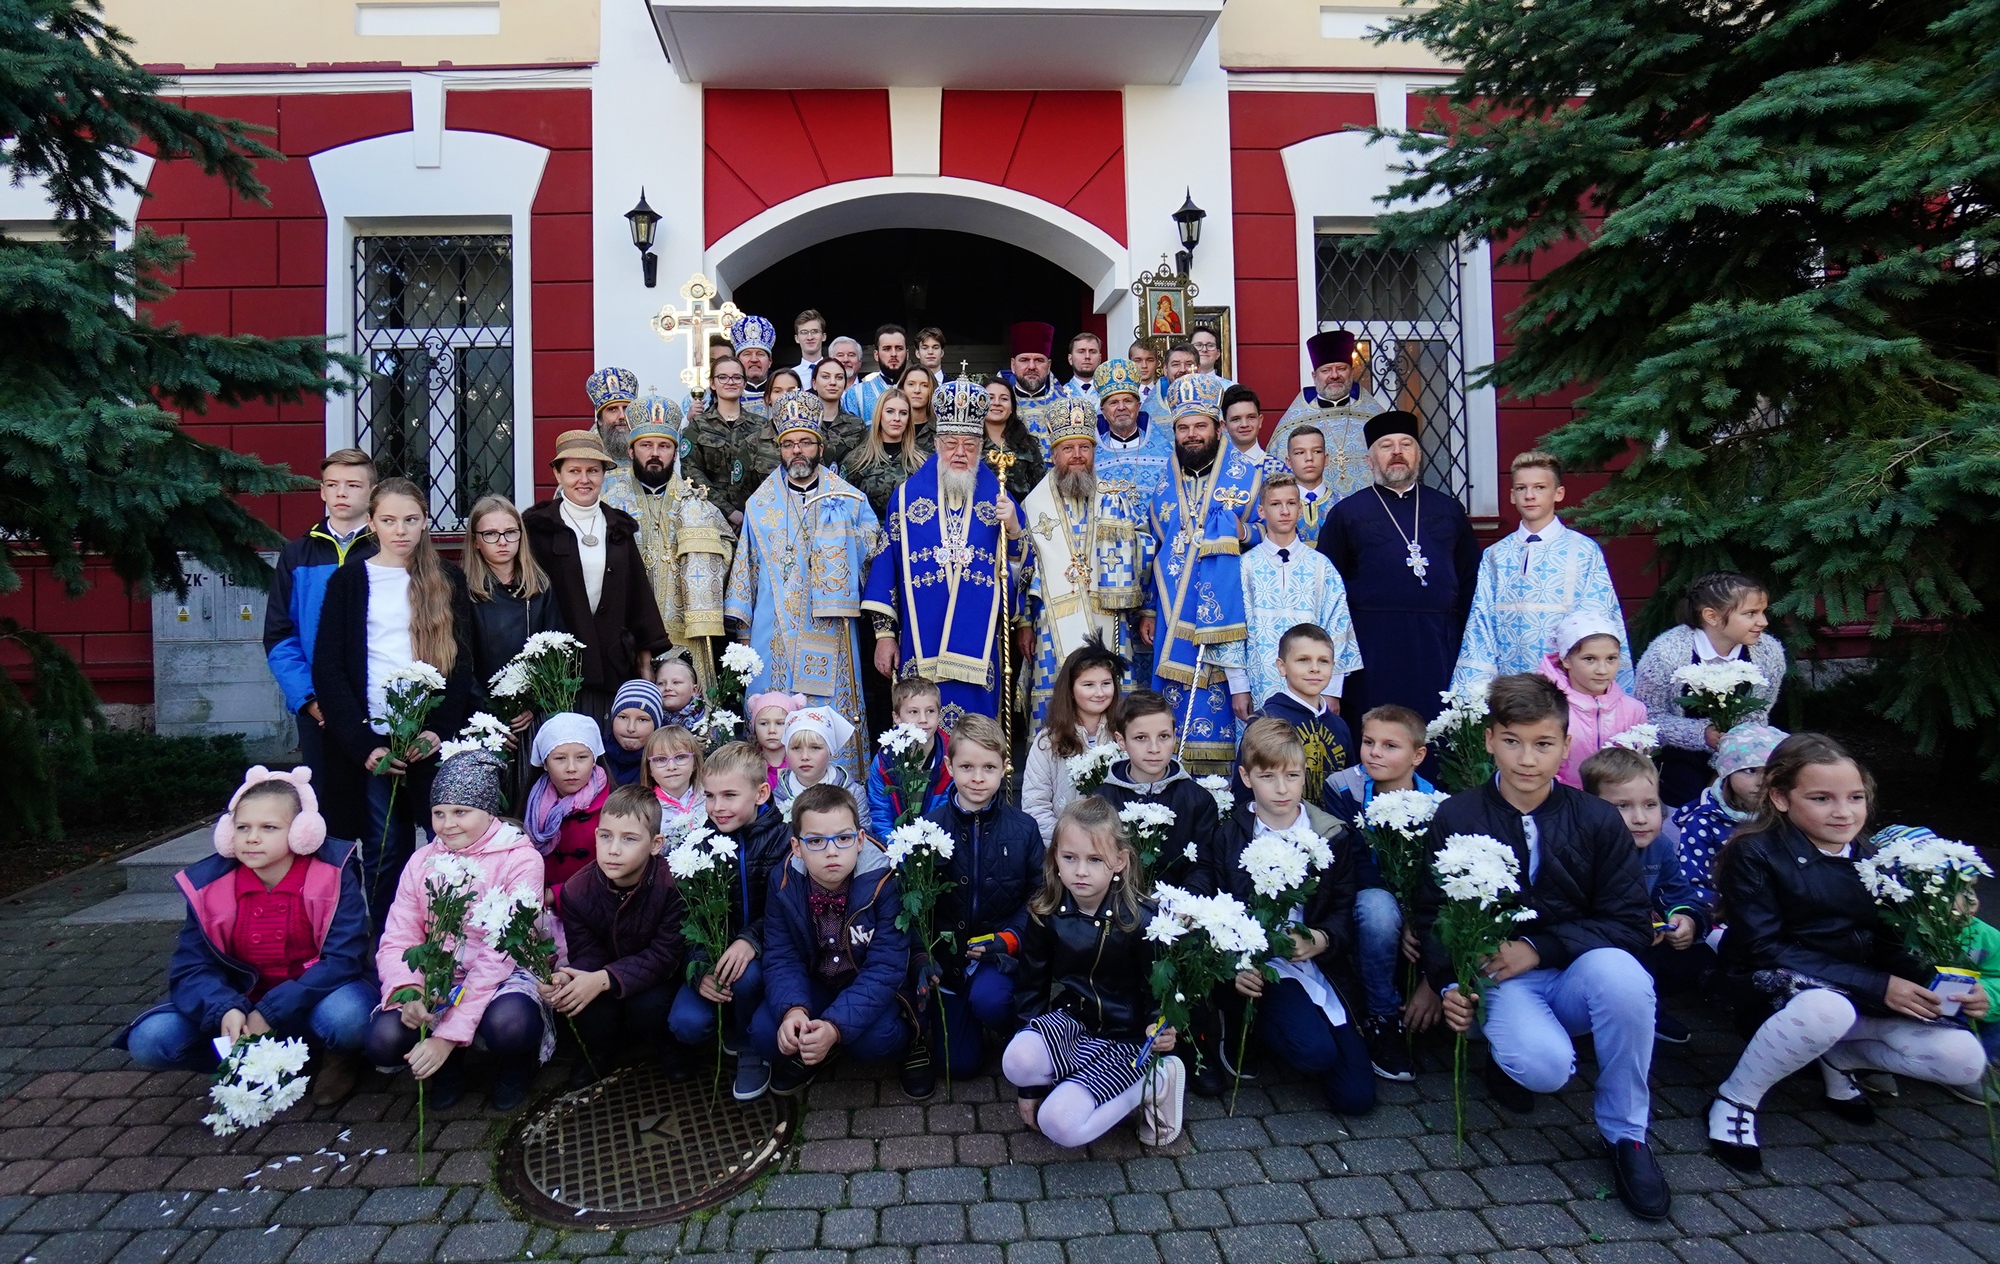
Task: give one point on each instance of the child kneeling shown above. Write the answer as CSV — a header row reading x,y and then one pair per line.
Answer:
x,y
622,920
276,940
1083,993
834,962
498,1006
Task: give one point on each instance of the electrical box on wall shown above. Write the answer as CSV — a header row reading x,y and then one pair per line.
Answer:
x,y
209,673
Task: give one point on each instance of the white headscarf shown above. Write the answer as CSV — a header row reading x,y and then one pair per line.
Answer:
x,y
1581,625
566,727
833,728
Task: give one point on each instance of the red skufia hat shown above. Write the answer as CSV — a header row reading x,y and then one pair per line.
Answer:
x,y
1031,337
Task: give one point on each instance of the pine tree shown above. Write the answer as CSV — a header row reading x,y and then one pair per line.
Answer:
x,y
93,462
1785,305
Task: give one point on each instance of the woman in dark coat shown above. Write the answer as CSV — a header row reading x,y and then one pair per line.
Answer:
x,y
512,600
591,554
422,615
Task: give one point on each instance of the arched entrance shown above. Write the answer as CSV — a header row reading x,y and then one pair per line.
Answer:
x,y
970,286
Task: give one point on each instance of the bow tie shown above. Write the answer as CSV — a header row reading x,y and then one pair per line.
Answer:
x,y
1284,555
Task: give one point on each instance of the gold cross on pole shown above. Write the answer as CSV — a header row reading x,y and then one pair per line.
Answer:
x,y
694,324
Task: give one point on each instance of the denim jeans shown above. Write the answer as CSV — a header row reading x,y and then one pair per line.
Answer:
x,y
385,850
1297,1032
1530,1018
168,1041
986,1002
693,1016
1378,923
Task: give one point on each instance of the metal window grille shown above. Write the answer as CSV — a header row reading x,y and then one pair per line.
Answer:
x,y
434,319
1405,311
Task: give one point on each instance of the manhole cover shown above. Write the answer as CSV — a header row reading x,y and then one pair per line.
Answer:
x,y
635,1149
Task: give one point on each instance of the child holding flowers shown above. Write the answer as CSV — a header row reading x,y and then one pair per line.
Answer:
x,y
274,868
1083,994
913,749
1572,966
1813,955
1149,773
1725,621
490,998
1083,711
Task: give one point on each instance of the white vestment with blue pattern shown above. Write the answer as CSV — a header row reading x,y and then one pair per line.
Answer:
x,y
1529,583
1279,593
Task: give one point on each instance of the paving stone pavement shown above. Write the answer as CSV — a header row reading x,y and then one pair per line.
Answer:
x,y
103,1164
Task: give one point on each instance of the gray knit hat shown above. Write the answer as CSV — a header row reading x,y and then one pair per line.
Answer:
x,y
469,779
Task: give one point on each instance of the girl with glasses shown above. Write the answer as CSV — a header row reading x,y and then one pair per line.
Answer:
x,y
511,601
672,771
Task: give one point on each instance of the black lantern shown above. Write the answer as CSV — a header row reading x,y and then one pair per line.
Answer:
x,y
1189,219
645,223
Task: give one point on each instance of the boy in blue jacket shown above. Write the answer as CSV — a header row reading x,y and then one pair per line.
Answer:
x,y
916,702
276,940
834,962
1679,960
298,587
996,862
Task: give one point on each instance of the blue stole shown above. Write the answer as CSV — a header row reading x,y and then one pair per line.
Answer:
x,y
938,579
1197,573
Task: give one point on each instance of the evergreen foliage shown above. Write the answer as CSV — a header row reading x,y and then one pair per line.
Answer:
x,y
1779,280
93,462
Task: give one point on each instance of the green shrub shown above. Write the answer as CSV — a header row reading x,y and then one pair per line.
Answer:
x,y
146,781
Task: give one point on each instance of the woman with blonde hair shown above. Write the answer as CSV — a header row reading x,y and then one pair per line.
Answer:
x,y
403,606
890,453
920,388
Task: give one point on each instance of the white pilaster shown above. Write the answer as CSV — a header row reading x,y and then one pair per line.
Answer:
x,y
916,123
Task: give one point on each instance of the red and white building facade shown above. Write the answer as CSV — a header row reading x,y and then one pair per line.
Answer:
x,y
452,208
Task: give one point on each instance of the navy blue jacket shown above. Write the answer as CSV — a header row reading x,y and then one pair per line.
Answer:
x,y
291,614
885,797
1329,743
880,950
204,982
1196,820
996,860
1329,911
1586,893
1660,868
762,848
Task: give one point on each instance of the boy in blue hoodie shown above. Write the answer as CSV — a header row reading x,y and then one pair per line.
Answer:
x,y
918,703
834,961
276,940
1306,664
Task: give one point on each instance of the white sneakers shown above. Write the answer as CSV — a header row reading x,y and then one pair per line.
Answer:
x,y
1163,1103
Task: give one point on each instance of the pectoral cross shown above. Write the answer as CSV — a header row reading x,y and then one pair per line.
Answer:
x,y
694,324
1417,562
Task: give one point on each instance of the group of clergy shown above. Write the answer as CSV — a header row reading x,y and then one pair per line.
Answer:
x,y
1140,534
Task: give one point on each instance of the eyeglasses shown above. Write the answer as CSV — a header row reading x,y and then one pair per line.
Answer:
x,y
727,377
509,536
671,761
841,842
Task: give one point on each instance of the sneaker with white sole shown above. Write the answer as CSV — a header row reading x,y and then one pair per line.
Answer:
x,y
1163,1103
753,1077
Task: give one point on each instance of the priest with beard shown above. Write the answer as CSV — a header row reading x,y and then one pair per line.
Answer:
x,y
1410,562
1338,406
1089,548
1198,520
1037,397
935,592
684,541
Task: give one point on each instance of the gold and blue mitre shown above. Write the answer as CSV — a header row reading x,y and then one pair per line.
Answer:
x,y
796,412
1195,393
611,386
654,414
753,331
960,408
1116,377
1073,418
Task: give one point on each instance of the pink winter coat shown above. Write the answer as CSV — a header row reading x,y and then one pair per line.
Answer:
x,y
503,858
1593,721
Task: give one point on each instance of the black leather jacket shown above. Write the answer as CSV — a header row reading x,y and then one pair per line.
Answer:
x,y
1791,907
1097,970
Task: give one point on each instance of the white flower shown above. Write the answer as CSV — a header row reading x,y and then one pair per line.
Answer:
x,y
742,660
1275,864
1147,815
1640,737
1405,811
902,739
1476,867
907,840
1464,707
1316,850
717,721
690,858
1525,915
270,1061
1719,679
550,642
1218,785
260,1077
1164,930
492,912
456,747
1189,853
1091,767
1906,866
451,873
417,673
510,681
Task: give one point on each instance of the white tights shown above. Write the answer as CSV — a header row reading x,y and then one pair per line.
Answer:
x,y
1820,1023
1069,1116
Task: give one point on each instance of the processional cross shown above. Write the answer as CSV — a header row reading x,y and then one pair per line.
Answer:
x,y
694,323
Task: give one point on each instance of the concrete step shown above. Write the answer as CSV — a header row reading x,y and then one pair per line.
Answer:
x,y
152,871
131,907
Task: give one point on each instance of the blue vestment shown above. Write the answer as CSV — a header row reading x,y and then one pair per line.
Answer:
x,y
1197,601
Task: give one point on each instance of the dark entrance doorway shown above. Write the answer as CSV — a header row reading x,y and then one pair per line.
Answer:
x,y
971,287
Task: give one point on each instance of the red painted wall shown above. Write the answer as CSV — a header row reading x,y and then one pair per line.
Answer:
x,y
1063,147
261,269
766,147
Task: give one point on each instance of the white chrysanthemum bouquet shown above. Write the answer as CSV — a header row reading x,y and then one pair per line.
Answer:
x,y
1922,882
1087,771
1460,730
1146,825
544,677
1644,738
1481,880
909,769
448,895
715,728
482,732
259,1077
739,666
919,852
1217,785
703,864
511,921
1398,825
1200,944
409,695
1284,868
1721,693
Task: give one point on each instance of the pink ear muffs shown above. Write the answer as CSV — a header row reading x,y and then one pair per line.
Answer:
x,y
308,830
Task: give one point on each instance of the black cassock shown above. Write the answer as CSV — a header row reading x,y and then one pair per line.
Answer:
x,y
1408,628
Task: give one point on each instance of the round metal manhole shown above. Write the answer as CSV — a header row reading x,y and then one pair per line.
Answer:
x,y
636,1149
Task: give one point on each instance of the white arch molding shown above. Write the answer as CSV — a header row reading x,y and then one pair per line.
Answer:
x,y
1064,238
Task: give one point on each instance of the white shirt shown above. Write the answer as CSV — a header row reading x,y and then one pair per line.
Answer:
x,y
1706,648
1306,973
1553,528
588,523
389,648
1254,452
1239,677
1108,438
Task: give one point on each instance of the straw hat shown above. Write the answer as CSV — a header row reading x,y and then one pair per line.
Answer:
x,y
580,445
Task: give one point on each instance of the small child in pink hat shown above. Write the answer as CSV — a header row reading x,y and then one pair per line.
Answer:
x,y
768,713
